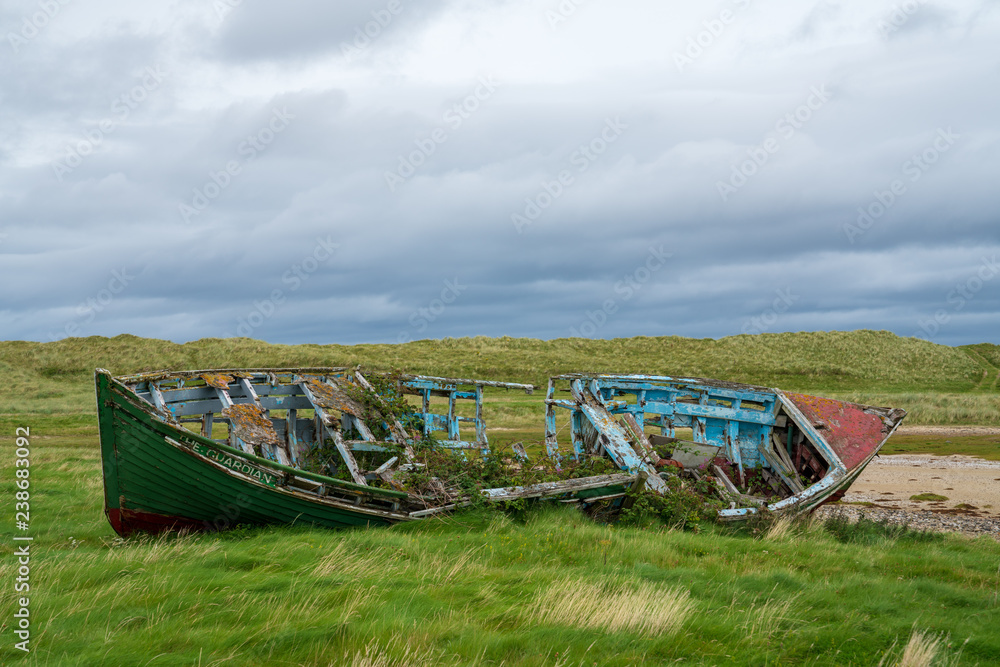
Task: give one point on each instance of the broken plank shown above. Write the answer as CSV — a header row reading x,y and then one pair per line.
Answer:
x,y
556,488
726,482
642,445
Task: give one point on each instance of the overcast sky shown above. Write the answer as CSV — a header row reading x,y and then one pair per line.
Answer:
x,y
388,170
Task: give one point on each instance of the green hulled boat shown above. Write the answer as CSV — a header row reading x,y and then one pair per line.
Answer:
x,y
207,450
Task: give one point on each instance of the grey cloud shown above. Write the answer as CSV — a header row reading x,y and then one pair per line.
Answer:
x,y
321,180
260,30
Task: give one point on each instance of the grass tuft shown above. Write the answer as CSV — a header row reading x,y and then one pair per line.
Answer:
x,y
925,649
780,529
920,651
647,609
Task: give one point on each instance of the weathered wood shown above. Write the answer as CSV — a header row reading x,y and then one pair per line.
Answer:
x,y
640,481
640,442
395,426
724,479
320,404
612,437
518,449
386,473
291,435
345,453
526,388
556,488
773,481
782,453
781,467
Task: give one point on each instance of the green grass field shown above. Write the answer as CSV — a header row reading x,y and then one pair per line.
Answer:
x,y
546,586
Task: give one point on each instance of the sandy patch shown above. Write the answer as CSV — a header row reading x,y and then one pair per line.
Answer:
x,y
889,481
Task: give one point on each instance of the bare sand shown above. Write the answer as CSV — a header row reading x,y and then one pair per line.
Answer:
x,y
971,485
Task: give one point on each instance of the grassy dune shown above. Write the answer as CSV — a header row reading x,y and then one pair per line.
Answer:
x,y
939,384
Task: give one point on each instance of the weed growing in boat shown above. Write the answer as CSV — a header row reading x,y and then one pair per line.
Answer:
x,y
443,474
383,404
683,505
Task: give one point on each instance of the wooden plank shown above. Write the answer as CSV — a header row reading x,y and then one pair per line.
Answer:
x,y
732,437
640,481
345,453
611,437
282,456
480,424
324,421
556,488
207,419
726,482
223,397
790,481
248,390
773,481
395,427
386,466
783,465
291,435
158,401
642,446
518,449
782,454
384,472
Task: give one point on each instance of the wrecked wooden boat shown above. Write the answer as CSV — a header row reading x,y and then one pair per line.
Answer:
x,y
208,450
164,470
773,450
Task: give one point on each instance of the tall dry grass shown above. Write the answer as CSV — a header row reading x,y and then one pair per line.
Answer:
x,y
644,609
925,649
